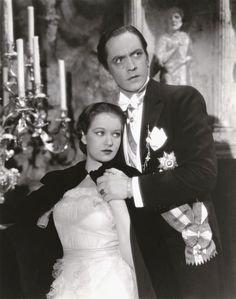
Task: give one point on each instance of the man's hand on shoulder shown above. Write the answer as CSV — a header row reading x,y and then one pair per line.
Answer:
x,y
114,185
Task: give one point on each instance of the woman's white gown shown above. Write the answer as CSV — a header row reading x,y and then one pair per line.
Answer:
x,y
92,267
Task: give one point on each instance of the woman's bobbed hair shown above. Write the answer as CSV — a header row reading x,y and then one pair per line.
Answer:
x,y
89,113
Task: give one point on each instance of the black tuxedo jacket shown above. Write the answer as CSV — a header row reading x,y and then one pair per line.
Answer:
x,y
181,112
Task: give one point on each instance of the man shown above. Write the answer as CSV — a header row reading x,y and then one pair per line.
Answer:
x,y
169,140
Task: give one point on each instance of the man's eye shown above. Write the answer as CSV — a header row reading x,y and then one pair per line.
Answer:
x,y
118,60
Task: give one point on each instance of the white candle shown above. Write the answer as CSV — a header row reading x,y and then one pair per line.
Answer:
x,y
36,59
20,68
8,21
4,81
62,79
30,29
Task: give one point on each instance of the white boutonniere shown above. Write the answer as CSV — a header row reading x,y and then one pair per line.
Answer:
x,y
155,140
167,161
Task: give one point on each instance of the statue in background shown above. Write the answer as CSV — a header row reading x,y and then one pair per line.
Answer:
x,y
174,51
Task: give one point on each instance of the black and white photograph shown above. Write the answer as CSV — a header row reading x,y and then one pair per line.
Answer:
x,y
117,149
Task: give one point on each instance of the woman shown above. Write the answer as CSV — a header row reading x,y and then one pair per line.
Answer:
x,y
97,260
174,51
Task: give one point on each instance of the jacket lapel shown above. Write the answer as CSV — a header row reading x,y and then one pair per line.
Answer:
x,y
152,107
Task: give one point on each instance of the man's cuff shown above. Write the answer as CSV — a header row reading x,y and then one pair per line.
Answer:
x,y
138,202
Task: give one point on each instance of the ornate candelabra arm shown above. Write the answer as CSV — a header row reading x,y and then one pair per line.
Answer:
x,y
21,103
63,119
8,177
57,142
40,111
8,88
8,180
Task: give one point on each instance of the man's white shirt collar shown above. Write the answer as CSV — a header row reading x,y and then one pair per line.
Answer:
x,y
135,99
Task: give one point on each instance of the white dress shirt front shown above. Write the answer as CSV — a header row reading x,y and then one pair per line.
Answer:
x,y
135,118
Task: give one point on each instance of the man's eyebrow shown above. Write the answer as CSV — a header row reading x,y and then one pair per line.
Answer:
x,y
136,50
130,54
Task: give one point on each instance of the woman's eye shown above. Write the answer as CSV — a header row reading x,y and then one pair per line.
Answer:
x,y
99,133
138,53
118,134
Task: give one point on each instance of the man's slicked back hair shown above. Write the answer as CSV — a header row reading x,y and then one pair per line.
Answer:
x,y
101,48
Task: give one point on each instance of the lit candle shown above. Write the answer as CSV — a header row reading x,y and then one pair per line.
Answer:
x,y
36,59
62,79
8,19
20,68
30,29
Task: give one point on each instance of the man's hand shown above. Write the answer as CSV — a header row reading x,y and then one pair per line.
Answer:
x,y
114,185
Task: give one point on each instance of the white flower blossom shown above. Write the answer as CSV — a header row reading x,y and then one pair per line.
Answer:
x,y
156,138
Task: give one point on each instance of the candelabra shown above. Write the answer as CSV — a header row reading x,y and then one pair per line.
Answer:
x,y
27,114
